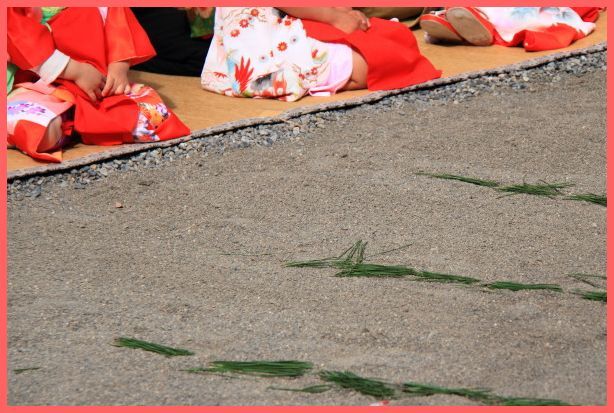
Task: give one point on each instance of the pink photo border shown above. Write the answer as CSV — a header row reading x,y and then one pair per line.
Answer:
x,y
267,409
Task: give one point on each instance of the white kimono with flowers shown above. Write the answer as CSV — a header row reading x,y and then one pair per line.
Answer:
x,y
510,20
259,52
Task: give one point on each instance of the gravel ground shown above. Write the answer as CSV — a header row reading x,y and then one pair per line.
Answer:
x,y
187,246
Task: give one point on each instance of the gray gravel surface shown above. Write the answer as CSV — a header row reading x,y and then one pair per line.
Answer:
x,y
192,254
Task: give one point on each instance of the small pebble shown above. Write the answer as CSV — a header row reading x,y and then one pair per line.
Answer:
x,y
36,192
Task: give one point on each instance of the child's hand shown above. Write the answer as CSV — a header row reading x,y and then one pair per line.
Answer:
x,y
349,21
86,76
117,79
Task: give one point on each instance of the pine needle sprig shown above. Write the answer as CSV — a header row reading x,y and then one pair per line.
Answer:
x,y
153,347
513,286
375,270
349,380
593,295
593,198
586,279
474,181
545,189
351,264
418,389
368,386
377,254
540,189
445,278
265,368
316,388
353,255
19,371
395,271
481,395
528,401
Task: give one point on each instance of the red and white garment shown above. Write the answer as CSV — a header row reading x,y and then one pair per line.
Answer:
x,y
41,52
260,52
540,28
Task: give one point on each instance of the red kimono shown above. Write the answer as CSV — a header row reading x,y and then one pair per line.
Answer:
x,y
97,36
389,48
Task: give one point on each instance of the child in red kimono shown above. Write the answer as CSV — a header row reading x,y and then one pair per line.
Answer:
x,y
534,28
73,75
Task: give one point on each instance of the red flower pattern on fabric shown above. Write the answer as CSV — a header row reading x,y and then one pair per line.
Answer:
x,y
255,12
235,32
244,23
280,85
282,46
243,73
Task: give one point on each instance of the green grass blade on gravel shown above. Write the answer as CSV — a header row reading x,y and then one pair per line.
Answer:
x,y
377,254
588,279
265,368
481,395
513,286
349,380
153,347
445,278
593,198
418,389
545,189
316,388
593,295
527,401
375,270
354,254
19,371
474,181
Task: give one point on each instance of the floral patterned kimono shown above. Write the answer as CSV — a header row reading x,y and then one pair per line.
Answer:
x,y
40,43
540,28
260,52
256,52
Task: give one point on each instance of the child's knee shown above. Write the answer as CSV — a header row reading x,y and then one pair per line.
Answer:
x,y
358,79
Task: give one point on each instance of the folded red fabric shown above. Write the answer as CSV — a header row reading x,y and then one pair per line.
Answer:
x,y
390,49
